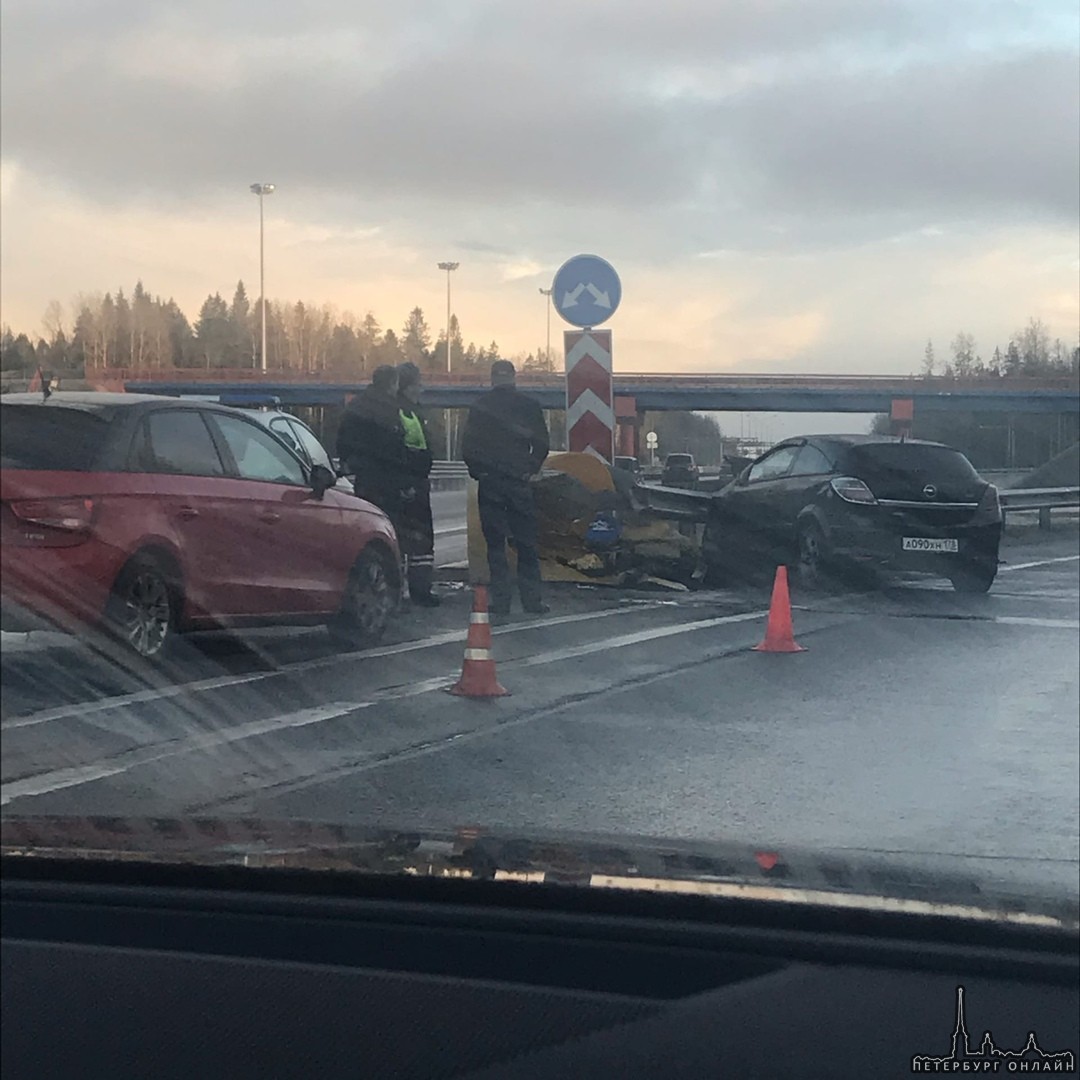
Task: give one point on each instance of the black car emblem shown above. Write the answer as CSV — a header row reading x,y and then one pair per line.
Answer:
x,y
929,491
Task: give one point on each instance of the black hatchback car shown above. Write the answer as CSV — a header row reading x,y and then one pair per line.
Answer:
x,y
833,502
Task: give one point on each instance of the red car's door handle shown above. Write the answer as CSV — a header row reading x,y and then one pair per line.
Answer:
x,y
187,512
270,517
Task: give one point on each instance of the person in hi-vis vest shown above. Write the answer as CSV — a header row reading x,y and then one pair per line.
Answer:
x,y
416,534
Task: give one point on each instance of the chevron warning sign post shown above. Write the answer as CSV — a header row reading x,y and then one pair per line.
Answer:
x,y
586,291
590,412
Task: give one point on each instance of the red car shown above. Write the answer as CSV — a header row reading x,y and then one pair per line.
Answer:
x,y
150,516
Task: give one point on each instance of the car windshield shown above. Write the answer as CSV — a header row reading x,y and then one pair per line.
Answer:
x,y
344,352
51,437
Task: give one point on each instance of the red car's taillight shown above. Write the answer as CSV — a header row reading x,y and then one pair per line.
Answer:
x,y
853,490
45,520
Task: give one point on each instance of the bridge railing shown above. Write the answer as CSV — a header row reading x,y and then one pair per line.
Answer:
x,y
337,376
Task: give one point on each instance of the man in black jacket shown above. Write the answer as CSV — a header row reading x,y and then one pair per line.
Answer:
x,y
505,444
371,444
417,532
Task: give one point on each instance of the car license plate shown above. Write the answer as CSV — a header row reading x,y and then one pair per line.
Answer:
x,y
924,543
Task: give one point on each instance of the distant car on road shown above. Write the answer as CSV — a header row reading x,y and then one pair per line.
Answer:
x,y
151,515
628,464
290,429
832,502
680,470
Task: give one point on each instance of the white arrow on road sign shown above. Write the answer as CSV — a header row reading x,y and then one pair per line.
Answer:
x,y
570,299
600,299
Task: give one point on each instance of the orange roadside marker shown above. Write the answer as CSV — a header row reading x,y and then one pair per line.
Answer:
x,y
779,633
478,679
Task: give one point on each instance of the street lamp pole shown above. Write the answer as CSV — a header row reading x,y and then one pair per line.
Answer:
x,y
547,293
449,267
261,190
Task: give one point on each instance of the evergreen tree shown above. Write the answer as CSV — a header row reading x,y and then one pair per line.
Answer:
x,y
181,341
388,351
213,332
243,350
929,361
416,338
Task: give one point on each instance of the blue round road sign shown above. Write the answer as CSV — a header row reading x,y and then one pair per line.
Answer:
x,y
586,291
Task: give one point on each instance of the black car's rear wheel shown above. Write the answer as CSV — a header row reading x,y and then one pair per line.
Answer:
x,y
367,604
975,577
812,569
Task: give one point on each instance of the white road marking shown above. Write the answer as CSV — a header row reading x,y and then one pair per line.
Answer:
x,y
1053,624
137,697
77,775
119,701
1041,562
638,638
437,747
58,779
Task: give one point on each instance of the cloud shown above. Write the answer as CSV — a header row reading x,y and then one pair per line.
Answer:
x,y
998,135
585,107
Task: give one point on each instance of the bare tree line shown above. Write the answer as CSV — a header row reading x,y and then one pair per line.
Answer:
x,y
143,331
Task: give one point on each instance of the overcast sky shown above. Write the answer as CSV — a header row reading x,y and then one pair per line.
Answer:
x,y
814,185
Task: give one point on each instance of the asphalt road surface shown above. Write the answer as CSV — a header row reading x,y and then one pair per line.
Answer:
x,y
917,721
448,512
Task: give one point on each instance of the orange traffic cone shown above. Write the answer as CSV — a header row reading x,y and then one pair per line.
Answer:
x,y
478,672
779,635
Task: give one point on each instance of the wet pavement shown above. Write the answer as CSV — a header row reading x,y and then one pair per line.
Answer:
x,y
918,721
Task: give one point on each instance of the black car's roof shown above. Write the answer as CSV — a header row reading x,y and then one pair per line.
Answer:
x,y
864,440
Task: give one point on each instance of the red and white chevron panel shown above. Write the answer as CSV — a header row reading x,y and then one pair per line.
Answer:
x,y
590,412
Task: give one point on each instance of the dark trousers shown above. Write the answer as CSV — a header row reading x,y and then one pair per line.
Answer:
x,y
387,498
416,535
507,513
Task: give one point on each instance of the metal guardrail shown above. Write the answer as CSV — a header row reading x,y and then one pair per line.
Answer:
x,y
681,504
1017,500
1014,499
449,476
685,505
456,470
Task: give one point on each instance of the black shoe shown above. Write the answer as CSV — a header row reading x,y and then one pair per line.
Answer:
x,y
426,600
538,609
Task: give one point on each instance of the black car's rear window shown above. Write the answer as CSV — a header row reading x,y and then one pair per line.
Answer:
x,y
936,463
679,459
52,437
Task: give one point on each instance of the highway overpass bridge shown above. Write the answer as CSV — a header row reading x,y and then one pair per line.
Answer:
x,y
652,392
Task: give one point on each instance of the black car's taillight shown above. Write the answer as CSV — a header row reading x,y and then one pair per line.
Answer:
x,y
988,512
851,489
